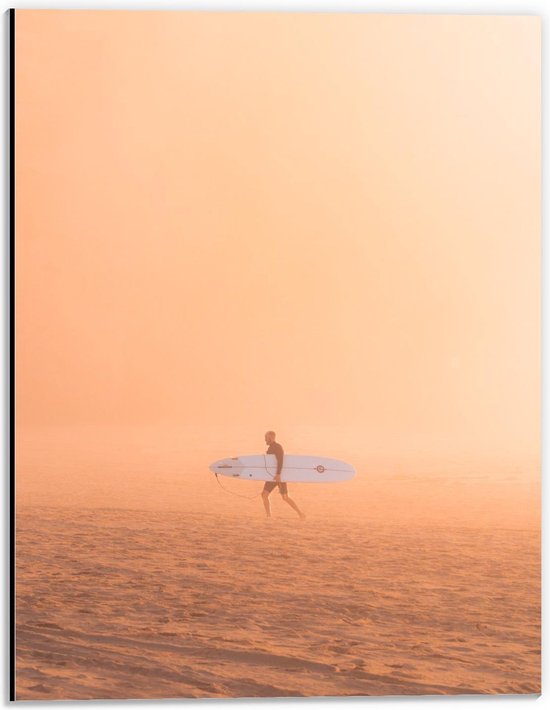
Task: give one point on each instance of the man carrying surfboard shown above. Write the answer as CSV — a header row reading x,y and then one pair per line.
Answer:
x,y
275,448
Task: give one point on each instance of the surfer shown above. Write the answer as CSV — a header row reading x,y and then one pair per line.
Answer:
x,y
275,448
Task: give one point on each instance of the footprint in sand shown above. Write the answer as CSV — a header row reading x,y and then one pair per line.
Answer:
x,y
40,688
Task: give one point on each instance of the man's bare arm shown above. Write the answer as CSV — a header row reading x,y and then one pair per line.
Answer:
x,y
279,456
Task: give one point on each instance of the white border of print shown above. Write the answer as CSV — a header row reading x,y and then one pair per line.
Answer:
x,y
519,7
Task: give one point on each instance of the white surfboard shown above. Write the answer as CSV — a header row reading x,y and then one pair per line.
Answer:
x,y
296,468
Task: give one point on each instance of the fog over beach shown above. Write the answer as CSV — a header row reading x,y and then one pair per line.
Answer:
x,y
159,583
165,468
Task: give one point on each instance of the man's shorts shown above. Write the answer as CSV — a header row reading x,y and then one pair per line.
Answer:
x,y
270,485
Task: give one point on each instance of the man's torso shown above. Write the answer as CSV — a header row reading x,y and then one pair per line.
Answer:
x,y
275,448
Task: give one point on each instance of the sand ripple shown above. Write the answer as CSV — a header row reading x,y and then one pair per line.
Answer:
x,y
129,604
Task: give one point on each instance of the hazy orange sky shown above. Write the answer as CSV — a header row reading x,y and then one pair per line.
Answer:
x,y
324,224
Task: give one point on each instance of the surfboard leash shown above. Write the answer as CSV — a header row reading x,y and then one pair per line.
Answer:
x,y
236,494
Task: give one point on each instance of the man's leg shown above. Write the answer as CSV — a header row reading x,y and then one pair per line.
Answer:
x,y
265,498
292,504
269,486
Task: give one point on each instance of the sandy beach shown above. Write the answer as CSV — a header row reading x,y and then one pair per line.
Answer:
x,y
115,603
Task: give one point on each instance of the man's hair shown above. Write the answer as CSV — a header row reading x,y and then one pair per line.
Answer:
x,y
271,432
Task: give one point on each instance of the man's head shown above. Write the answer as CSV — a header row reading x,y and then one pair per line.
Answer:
x,y
269,437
